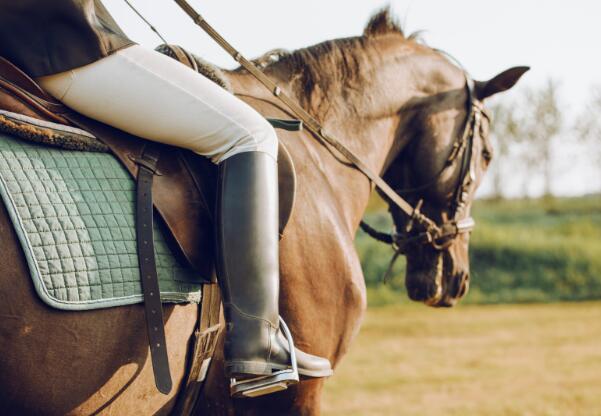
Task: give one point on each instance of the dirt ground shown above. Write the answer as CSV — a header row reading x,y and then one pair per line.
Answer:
x,y
472,360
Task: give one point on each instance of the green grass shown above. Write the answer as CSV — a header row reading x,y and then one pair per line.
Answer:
x,y
521,251
472,360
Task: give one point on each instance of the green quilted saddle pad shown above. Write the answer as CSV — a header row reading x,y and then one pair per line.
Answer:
x,y
73,212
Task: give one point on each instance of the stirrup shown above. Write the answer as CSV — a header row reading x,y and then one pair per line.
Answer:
x,y
278,381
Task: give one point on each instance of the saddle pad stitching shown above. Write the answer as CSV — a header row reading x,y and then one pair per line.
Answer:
x,y
55,243
22,235
69,247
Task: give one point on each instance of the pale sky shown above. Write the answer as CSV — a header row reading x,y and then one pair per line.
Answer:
x,y
558,39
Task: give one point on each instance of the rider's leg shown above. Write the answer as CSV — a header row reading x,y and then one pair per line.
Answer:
x,y
153,96
248,238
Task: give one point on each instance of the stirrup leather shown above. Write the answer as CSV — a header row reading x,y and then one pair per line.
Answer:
x,y
278,381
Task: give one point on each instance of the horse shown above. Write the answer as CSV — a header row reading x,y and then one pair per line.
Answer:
x,y
396,102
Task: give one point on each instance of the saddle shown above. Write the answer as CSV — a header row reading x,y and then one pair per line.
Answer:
x,y
184,186
178,183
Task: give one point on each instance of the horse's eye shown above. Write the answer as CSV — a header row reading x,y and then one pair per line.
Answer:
x,y
487,155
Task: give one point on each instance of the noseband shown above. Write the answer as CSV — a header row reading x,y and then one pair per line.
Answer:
x,y
421,230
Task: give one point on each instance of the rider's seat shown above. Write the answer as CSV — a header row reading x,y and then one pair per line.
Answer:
x,y
183,190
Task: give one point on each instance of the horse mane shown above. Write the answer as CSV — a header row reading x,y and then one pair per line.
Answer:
x,y
319,68
383,23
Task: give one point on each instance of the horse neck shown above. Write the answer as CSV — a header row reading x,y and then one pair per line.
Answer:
x,y
372,128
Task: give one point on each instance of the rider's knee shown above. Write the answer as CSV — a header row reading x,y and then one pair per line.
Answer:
x,y
267,140
260,138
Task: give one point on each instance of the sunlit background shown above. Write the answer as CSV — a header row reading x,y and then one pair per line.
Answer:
x,y
528,342
559,40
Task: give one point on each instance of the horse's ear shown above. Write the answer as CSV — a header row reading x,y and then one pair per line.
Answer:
x,y
502,82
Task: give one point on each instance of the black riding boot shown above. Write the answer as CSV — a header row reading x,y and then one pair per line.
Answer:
x,y
248,270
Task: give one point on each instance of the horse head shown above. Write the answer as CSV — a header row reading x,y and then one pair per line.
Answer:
x,y
439,170
417,117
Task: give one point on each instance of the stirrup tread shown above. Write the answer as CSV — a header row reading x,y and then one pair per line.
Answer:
x,y
278,381
260,386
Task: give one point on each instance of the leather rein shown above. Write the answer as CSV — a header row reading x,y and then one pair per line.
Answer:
x,y
440,239
463,146
420,228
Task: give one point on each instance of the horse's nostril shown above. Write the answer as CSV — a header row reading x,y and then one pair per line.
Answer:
x,y
415,293
422,292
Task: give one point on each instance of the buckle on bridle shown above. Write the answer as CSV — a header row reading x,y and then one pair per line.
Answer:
x,y
449,231
465,225
416,216
401,241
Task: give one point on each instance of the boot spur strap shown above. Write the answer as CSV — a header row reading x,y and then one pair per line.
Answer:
x,y
278,381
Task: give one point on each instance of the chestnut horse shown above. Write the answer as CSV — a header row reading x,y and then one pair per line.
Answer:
x,y
397,103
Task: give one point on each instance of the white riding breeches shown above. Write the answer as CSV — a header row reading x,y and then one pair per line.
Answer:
x,y
150,95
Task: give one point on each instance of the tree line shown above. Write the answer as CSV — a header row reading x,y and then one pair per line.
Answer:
x,y
531,133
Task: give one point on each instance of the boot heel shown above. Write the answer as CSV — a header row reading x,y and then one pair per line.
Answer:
x,y
263,385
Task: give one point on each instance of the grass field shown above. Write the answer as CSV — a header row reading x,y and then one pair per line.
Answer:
x,y
542,359
543,250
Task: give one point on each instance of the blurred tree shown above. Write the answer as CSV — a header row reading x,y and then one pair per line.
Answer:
x,y
588,127
540,122
505,131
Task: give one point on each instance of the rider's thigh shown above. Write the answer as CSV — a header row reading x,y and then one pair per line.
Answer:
x,y
155,97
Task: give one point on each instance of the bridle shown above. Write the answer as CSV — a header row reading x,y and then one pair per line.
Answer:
x,y
419,228
420,231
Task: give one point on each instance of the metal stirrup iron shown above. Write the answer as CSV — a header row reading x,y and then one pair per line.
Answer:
x,y
278,381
